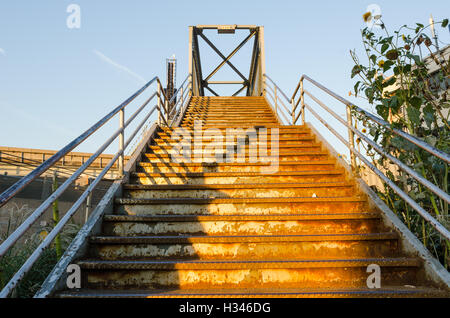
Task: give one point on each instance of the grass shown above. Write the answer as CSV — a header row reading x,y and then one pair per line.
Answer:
x,y
11,262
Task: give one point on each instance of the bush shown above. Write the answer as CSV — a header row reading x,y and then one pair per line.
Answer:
x,y
398,81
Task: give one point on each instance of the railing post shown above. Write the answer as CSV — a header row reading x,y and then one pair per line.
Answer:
x,y
55,209
167,110
293,111
121,141
181,101
181,96
191,88
88,203
159,102
351,138
302,101
276,99
263,85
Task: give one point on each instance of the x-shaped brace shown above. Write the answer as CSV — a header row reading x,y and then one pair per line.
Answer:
x,y
227,58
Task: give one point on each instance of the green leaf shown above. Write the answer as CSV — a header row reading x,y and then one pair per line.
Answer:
x,y
444,23
387,65
407,68
428,115
382,111
415,101
416,58
393,103
414,115
369,93
356,88
384,47
355,70
371,73
390,81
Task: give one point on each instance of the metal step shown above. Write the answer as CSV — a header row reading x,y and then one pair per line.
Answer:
x,y
256,247
238,177
387,292
218,274
324,189
345,223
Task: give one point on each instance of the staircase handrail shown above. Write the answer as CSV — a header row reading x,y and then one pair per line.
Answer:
x,y
349,143
164,114
353,152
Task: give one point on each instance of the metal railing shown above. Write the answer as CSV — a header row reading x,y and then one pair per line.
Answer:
x,y
168,113
274,92
298,99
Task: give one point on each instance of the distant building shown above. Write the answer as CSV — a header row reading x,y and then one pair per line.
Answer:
x,y
434,62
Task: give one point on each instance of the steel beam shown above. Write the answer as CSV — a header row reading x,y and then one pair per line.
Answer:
x,y
253,82
211,90
221,55
197,63
230,55
253,66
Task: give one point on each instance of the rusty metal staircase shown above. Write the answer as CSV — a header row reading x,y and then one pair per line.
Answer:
x,y
226,230
271,211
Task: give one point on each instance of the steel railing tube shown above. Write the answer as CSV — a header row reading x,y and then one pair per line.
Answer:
x,y
351,137
4,247
271,96
121,141
181,92
279,89
119,156
428,217
46,204
41,209
427,184
182,105
139,127
54,232
159,102
181,86
354,153
302,101
430,186
293,112
342,139
285,107
420,143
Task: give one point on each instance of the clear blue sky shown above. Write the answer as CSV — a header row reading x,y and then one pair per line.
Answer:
x,y
55,82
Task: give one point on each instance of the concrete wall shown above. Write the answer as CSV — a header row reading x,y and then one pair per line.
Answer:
x,y
37,191
21,161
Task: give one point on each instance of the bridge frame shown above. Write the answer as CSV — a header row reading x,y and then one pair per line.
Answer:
x,y
253,83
